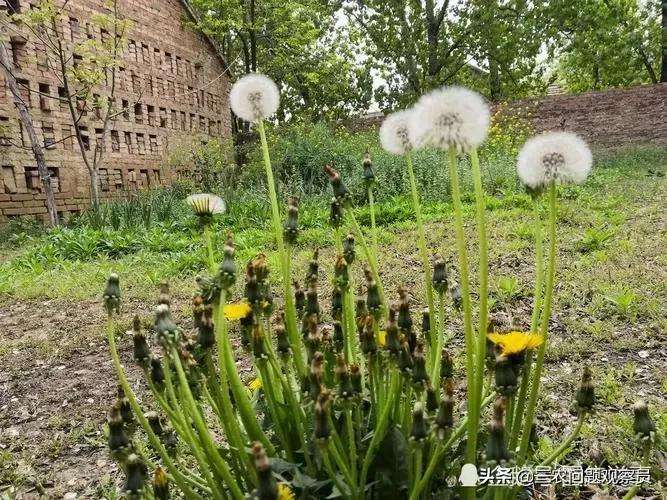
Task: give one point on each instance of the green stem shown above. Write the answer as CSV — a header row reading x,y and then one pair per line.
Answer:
x,y
480,205
285,266
440,450
646,456
371,207
219,465
274,408
227,363
332,473
370,257
471,443
416,206
440,335
565,444
352,444
155,442
537,306
548,298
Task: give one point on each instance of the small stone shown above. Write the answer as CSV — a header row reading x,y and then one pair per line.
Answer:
x,y
70,495
643,354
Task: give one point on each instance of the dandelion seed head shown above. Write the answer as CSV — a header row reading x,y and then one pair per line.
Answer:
x,y
395,134
562,157
254,97
206,204
450,116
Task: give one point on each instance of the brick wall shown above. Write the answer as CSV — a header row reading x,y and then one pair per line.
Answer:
x,y
610,118
171,79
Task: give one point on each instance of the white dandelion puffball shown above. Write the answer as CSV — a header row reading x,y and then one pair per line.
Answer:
x,y
206,204
451,116
395,132
562,157
254,97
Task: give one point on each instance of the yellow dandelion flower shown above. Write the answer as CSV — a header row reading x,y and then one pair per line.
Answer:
x,y
382,338
285,492
255,384
236,311
515,342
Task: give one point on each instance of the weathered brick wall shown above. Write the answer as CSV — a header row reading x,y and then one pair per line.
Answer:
x,y
610,118
172,81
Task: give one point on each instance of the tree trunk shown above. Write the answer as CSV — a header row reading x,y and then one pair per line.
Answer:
x,y
494,80
35,145
94,187
663,71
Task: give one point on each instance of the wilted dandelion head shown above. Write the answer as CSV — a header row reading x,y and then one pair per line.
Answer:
x,y
254,97
395,132
450,116
562,157
205,204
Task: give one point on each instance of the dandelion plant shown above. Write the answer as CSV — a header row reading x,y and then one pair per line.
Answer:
x,y
353,394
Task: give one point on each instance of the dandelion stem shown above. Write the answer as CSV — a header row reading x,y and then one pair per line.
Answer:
x,y
646,456
440,335
416,206
285,266
332,473
537,306
548,298
371,207
370,256
226,362
565,444
219,465
471,443
480,205
179,478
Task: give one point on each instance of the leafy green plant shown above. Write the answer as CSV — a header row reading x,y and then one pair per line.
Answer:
x,y
624,302
595,239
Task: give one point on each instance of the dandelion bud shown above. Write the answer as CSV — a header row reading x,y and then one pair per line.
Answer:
x,y
405,362
446,365
335,213
585,398
340,191
341,273
124,407
419,431
373,302
164,325
299,298
155,423
245,329
419,374
404,318
496,448
313,267
505,377
431,399
322,416
135,477
267,487
368,174
455,292
205,206
393,343
197,309
111,294
209,288
643,426
141,351
312,302
440,276
205,332
368,344
426,322
337,303
164,297
356,380
444,420
258,345
160,484
291,226
338,337
227,269
157,373
345,389
118,441
282,340
349,252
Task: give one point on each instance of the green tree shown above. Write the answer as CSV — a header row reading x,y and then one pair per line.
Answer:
x,y
296,43
605,43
